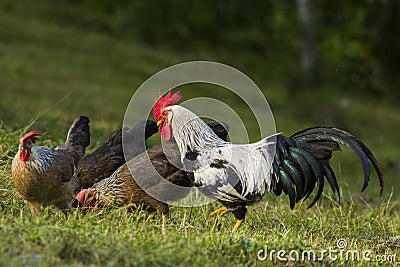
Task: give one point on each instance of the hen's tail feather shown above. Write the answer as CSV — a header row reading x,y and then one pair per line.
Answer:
x,y
78,138
339,136
79,133
302,161
151,128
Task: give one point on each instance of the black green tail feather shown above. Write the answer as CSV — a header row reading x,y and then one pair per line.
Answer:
x,y
302,161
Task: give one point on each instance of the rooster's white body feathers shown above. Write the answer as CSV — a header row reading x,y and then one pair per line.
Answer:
x,y
225,171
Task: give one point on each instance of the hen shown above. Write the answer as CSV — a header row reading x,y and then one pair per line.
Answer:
x,y
44,176
239,175
106,159
122,189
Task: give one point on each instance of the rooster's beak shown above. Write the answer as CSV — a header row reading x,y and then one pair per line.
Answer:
x,y
159,122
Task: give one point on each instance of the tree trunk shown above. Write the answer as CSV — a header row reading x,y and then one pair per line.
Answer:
x,y
309,54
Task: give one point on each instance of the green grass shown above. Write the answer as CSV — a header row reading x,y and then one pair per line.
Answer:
x,y
42,63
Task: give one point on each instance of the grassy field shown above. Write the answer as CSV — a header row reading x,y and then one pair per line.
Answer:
x,y
94,74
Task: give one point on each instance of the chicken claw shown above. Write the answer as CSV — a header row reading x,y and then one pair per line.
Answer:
x,y
222,211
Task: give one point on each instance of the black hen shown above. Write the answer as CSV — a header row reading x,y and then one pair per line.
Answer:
x,y
101,163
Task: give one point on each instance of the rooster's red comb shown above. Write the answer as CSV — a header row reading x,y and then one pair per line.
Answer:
x,y
163,102
31,135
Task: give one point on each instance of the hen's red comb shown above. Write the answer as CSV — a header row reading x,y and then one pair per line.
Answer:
x,y
31,135
163,102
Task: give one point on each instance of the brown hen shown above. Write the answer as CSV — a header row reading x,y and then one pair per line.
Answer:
x,y
44,176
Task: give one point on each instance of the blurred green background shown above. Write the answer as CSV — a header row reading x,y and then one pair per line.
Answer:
x,y
321,62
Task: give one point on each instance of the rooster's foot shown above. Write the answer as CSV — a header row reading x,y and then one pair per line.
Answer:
x,y
222,211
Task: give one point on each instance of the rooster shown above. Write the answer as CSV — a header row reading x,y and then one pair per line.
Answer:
x,y
44,176
239,175
121,188
106,159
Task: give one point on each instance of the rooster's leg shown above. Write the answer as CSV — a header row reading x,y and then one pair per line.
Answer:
x,y
238,223
222,211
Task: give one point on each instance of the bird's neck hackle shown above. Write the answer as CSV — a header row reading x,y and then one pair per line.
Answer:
x,y
39,160
191,133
